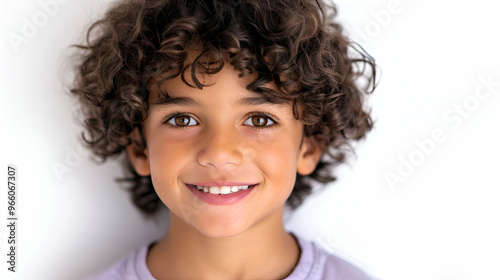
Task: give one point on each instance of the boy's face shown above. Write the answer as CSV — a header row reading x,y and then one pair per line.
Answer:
x,y
219,136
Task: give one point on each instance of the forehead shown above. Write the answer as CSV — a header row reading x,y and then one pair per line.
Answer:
x,y
164,90
226,79
227,88
227,76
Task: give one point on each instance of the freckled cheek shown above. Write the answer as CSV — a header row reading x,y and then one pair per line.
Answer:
x,y
168,140
259,136
277,159
169,153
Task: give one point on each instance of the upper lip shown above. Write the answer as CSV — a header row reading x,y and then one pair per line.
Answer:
x,y
221,184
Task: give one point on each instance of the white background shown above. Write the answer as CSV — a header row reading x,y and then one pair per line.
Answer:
x,y
440,222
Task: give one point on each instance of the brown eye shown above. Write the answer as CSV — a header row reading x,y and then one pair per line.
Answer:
x,y
182,120
259,121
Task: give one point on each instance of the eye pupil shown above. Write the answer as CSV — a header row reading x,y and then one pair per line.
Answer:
x,y
181,121
259,121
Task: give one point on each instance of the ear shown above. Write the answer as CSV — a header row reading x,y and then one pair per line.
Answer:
x,y
138,154
309,155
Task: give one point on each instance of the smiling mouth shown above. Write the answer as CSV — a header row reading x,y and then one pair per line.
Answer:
x,y
222,190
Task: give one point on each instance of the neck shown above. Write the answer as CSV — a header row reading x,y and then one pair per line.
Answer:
x,y
265,251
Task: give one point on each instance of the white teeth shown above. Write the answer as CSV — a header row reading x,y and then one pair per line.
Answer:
x,y
225,190
214,190
222,189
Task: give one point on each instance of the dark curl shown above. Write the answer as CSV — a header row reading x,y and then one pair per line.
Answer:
x,y
293,43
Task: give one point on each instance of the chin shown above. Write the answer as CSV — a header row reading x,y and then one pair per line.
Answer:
x,y
221,229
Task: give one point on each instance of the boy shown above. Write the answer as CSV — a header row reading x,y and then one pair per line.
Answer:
x,y
226,110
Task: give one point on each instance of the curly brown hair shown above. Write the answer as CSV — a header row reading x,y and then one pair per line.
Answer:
x,y
294,43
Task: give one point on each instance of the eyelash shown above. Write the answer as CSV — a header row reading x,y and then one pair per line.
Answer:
x,y
269,118
172,117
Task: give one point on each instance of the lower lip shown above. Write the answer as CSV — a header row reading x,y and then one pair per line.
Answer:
x,y
220,199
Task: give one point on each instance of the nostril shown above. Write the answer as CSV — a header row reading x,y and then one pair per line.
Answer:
x,y
220,152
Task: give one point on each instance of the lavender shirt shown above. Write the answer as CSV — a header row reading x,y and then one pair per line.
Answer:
x,y
314,264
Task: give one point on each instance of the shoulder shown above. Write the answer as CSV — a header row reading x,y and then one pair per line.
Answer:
x,y
317,264
131,267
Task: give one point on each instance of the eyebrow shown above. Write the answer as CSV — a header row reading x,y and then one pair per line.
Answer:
x,y
182,101
260,100
246,101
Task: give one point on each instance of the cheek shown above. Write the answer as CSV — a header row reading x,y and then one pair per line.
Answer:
x,y
166,163
275,152
279,162
167,148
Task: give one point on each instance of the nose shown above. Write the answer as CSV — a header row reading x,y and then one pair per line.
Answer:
x,y
220,149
